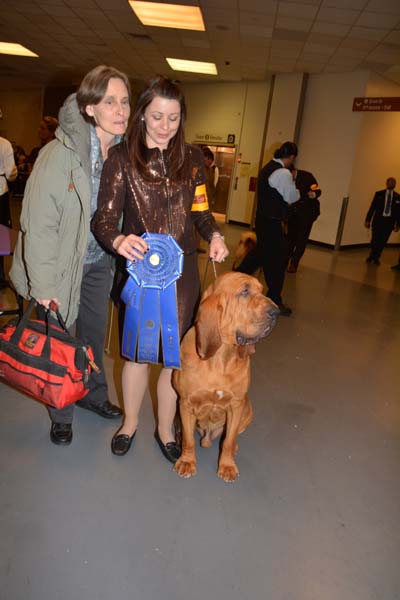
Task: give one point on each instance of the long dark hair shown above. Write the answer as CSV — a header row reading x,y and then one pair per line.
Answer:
x,y
136,133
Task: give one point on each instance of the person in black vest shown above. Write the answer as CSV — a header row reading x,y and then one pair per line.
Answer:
x,y
384,213
302,215
276,190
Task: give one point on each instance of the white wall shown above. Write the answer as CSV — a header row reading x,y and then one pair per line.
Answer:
x,y
214,111
377,158
328,142
22,112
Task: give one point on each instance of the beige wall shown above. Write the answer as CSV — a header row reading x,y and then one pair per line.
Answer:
x,y
328,141
284,111
216,110
377,158
22,111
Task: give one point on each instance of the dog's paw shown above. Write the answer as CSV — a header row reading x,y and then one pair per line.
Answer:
x,y
185,468
229,473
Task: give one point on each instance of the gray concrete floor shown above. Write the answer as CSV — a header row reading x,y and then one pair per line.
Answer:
x,y
314,514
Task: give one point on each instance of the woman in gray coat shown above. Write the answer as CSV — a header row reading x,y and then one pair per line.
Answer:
x,y
57,258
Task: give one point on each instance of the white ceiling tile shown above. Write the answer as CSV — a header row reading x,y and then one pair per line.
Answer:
x,y
320,38
377,21
367,45
331,28
313,57
256,30
287,34
195,43
344,61
355,4
366,33
393,37
253,18
296,9
57,10
338,15
295,24
379,55
319,49
268,7
305,67
383,6
356,53
337,69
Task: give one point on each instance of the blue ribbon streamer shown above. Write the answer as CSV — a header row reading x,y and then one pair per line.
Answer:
x,y
151,303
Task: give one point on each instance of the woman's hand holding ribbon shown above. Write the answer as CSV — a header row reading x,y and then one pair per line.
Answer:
x,y
132,247
218,249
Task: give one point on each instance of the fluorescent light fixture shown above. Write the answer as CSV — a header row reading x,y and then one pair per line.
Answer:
x,y
192,66
15,50
178,16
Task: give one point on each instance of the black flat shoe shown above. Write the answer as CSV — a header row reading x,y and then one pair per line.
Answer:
x,y
61,433
171,450
121,443
284,310
105,410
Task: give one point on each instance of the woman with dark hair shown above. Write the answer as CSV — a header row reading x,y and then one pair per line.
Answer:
x,y
157,183
57,258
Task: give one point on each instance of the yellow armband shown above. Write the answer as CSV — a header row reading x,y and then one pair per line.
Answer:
x,y
200,201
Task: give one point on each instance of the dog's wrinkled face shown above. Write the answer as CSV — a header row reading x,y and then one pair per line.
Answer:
x,y
233,311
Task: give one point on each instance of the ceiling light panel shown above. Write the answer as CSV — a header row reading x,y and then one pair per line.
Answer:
x,y
15,50
177,16
192,66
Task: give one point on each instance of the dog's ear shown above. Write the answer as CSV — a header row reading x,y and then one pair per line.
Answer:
x,y
208,339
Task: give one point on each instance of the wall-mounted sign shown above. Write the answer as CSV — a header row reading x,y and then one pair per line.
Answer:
x,y
252,184
215,139
376,104
245,168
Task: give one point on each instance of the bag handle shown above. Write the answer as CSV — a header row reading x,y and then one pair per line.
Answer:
x,y
23,323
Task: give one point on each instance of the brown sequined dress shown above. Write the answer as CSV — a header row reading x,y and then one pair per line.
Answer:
x,y
157,205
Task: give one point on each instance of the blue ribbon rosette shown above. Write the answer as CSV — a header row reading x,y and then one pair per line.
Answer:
x,y
151,303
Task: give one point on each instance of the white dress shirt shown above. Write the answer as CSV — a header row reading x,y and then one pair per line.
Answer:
x,y
387,210
282,180
8,170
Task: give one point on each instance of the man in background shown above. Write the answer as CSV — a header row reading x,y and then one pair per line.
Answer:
x,y
276,191
212,175
47,133
8,172
302,215
384,213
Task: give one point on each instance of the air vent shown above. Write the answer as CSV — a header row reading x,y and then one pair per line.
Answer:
x,y
141,38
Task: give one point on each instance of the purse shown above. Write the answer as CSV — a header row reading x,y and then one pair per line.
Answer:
x,y
44,360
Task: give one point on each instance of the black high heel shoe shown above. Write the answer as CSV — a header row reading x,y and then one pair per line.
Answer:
x,y
121,443
171,450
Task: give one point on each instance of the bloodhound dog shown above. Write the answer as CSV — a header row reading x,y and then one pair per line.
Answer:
x,y
215,368
246,244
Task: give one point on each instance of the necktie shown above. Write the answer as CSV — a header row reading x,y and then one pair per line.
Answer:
x,y
388,204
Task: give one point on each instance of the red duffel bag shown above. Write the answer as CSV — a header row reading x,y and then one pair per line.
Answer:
x,y
44,360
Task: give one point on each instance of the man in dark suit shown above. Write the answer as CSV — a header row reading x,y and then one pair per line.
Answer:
x,y
384,213
302,215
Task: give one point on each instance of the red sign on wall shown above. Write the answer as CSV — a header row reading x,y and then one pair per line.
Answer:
x,y
376,104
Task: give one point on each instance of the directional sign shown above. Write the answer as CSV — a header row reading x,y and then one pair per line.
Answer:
x,y
376,104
